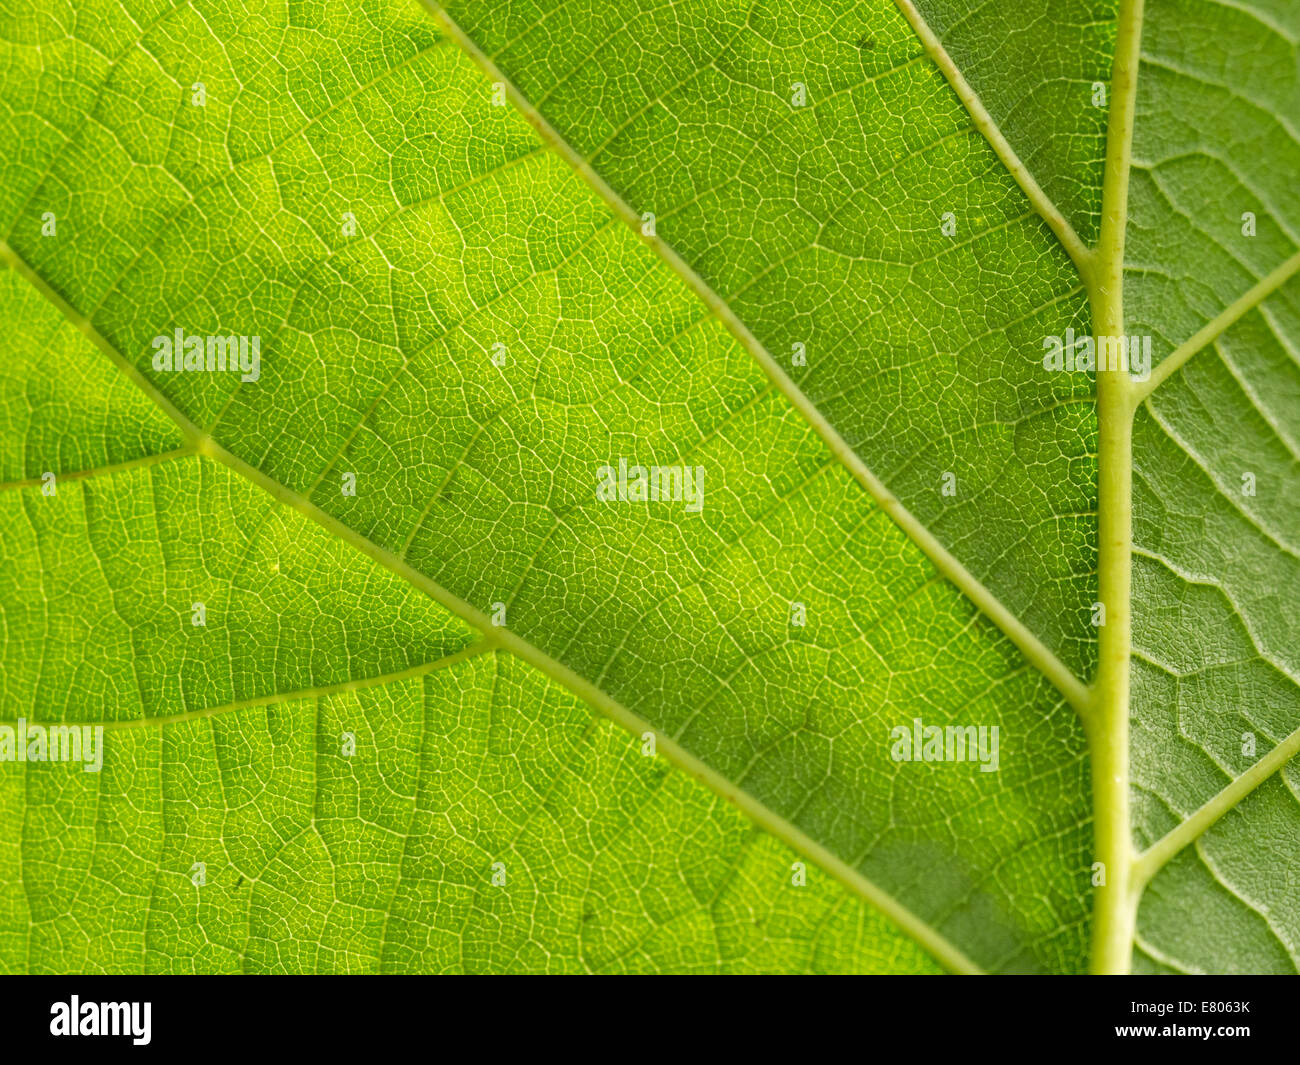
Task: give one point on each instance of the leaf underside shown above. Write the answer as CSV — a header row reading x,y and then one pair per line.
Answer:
x,y
433,221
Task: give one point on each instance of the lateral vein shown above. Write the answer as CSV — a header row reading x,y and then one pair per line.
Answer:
x,y
105,470
1154,858
945,952
1069,685
478,647
1080,254
1218,325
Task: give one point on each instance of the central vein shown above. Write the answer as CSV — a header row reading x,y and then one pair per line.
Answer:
x,y
1107,722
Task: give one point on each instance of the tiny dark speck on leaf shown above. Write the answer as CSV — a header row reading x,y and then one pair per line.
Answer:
x,y
866,42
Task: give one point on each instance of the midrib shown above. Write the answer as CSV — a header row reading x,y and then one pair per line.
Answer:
x,y
1105,712
1103,706
1114,917
1107,698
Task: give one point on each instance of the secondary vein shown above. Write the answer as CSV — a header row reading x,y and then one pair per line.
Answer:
x,y
105,470
1080,254
945,952
1154,858
478,647
1060,675
1219,324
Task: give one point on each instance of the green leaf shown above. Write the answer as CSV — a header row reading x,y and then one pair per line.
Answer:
x,y
866,218
1216,464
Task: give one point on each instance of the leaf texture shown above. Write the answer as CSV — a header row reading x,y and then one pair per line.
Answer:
x,y
852,225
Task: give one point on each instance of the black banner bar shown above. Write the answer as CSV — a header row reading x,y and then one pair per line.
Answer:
x,y
342,1015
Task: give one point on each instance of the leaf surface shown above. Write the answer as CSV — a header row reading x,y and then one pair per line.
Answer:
x,y
866,219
